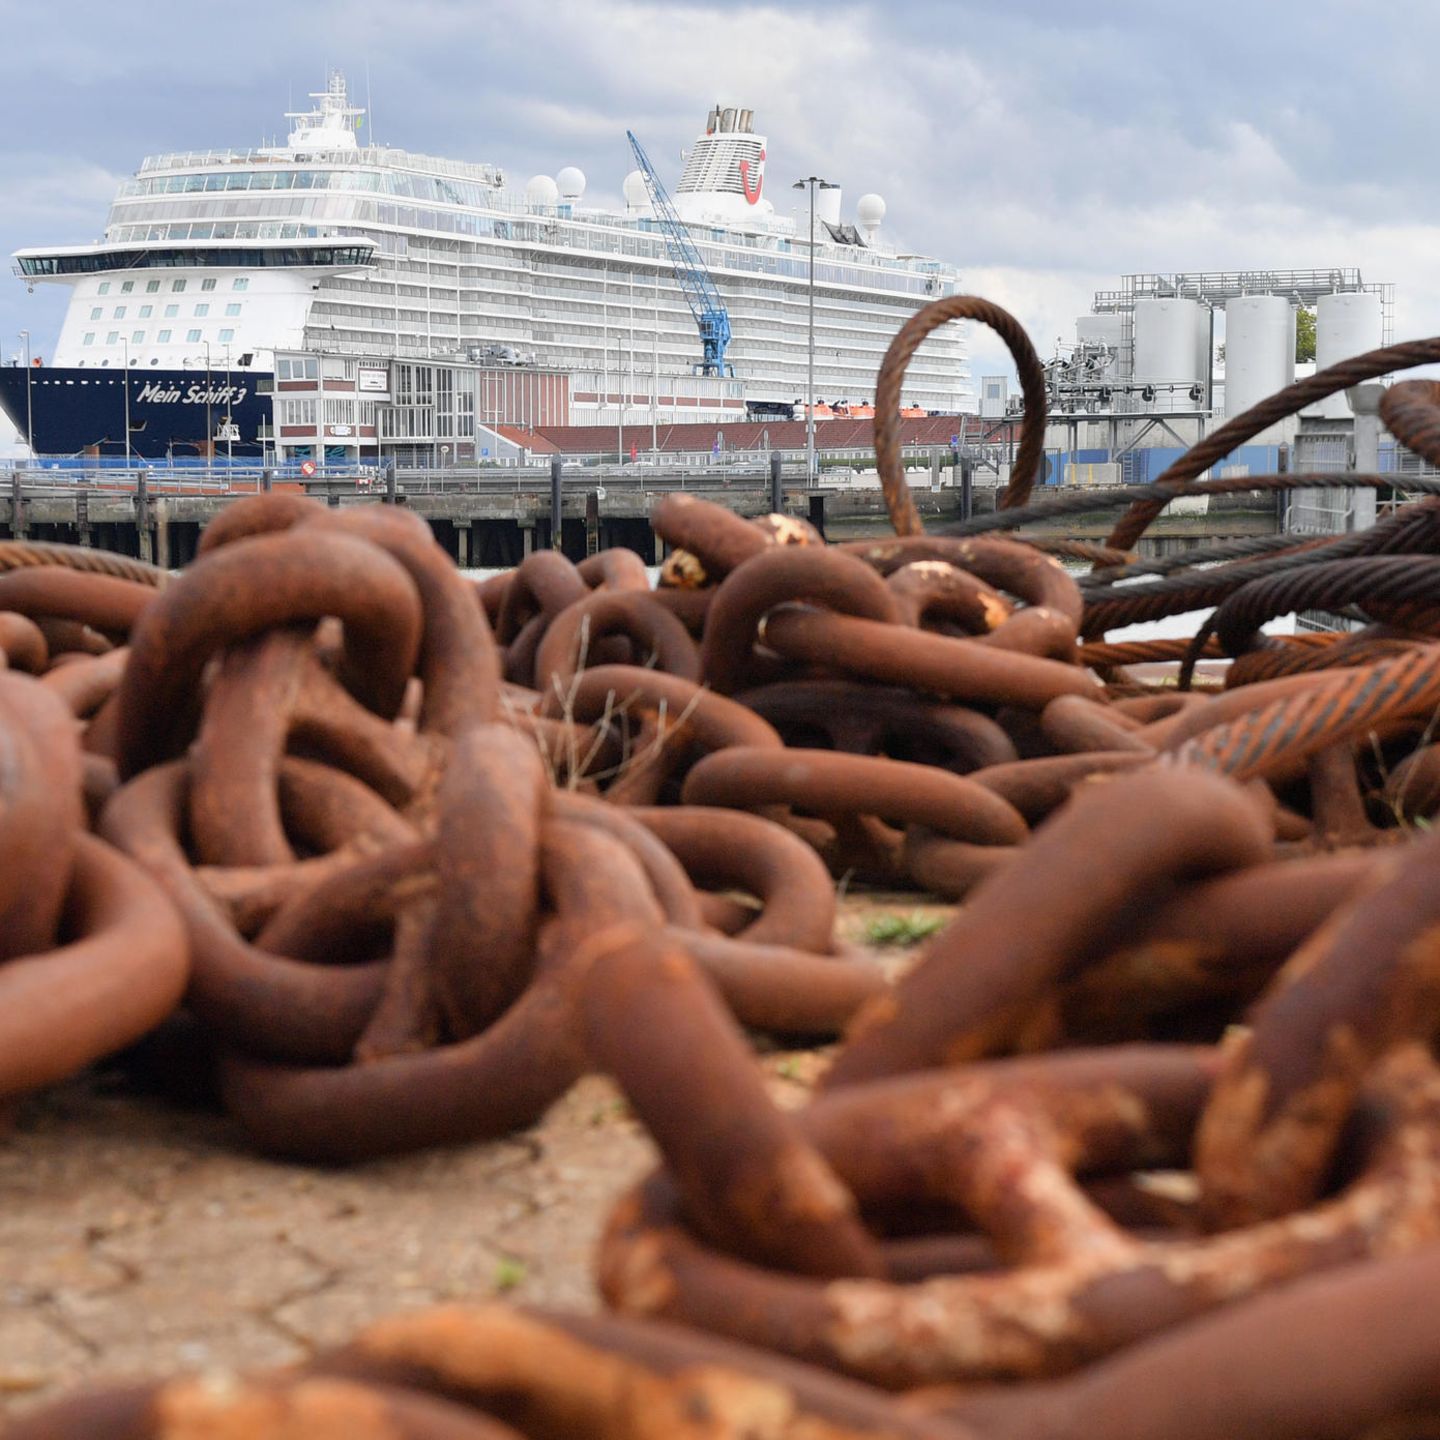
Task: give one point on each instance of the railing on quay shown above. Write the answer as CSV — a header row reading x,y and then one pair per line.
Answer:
x,y
44,479
672,469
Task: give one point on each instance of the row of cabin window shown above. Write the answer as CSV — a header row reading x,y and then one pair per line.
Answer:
x,y
171,311
162,337
152,287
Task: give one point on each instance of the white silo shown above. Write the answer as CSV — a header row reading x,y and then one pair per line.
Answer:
x,y
1204,352
1167,349
1259,349
1347,323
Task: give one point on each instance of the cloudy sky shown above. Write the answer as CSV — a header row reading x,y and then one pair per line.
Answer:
x,y
1045,148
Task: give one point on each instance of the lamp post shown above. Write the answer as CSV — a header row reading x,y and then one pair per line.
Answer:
x,y
229,414
29,406
126,383
209,426
811,182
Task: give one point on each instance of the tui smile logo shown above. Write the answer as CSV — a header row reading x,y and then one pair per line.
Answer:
x,y
753,196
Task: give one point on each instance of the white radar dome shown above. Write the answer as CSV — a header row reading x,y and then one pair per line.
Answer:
x,y
541,190
870,209
571,181
636,194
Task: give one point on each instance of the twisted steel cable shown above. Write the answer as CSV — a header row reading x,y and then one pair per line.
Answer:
x,y
1373,584
1411,412
1065,549
1246,547
1338,707
1142,652
1058,507
903,514
1293,398
26,554
1288,656
1413,530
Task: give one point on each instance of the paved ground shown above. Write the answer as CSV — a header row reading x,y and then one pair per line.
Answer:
x,y
139,1237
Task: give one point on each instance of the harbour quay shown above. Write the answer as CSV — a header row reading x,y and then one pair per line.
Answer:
x,y
493,519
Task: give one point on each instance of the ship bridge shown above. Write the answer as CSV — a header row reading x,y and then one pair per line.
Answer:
x,y
327,253
172,303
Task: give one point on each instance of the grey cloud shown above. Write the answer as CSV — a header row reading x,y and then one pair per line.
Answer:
x,y
1043,147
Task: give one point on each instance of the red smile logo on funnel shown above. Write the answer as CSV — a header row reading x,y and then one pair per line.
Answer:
x,y
753,195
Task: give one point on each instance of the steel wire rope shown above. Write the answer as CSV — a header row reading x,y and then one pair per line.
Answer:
x,y
1293,398
1363,581
1245,547
903,514
1113,605
1411,412
1338,707
29,554
1058,507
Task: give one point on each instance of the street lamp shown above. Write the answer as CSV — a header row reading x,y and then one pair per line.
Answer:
x,y
229,414
126,383
29,407
811,182
209,425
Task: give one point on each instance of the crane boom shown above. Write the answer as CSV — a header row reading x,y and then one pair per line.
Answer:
x,y
711,316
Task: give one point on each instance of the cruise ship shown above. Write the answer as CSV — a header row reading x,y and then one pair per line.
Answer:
x,y
408,278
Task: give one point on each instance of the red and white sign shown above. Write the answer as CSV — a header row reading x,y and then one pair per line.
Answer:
x,y
307,468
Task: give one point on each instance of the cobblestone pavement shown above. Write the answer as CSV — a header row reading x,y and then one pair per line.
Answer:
x,y
138,1237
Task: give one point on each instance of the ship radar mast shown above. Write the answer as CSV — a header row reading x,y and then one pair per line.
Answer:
x,y
331,125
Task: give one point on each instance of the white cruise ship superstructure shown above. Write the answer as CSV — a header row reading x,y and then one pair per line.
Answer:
x,y
213,263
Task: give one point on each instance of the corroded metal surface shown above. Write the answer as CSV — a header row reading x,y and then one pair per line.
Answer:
x,y
415,856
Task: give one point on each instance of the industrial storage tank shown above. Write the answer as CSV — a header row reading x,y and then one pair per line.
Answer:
x,y
1259,349
1204,352
1105,329
1347,323
1169,351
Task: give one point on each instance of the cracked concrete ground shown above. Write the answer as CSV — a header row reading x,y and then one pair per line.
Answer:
x,y
138,1237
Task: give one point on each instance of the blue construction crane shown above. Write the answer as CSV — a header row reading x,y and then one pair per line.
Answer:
x,y
704,300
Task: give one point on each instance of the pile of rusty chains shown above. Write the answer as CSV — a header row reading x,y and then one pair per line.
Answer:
x,y
418,856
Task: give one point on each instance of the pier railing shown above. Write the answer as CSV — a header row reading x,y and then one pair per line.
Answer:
x,y
42,479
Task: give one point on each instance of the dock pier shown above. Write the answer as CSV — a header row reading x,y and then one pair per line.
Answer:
x,y
492,520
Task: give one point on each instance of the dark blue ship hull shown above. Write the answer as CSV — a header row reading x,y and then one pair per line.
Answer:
x,y
173,413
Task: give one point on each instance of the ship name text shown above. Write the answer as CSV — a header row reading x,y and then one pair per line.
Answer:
x,y
158,393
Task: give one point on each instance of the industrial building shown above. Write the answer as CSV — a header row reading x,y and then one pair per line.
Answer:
x,y
1163,359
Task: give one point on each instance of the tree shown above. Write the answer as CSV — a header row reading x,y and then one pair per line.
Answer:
x,y
1304,335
